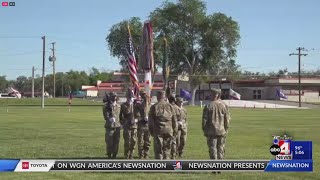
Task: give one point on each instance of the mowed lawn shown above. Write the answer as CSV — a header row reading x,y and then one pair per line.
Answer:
x,y
54,132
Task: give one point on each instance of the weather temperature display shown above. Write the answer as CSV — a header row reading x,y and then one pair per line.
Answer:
x,y
301,149
298,150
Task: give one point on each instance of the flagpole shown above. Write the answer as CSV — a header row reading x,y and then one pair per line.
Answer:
x,y
7,104
70,97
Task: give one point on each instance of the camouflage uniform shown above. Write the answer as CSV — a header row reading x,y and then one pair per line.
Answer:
x,y
162,126
171,100
129,124
215,124
141,111
182,128
111,111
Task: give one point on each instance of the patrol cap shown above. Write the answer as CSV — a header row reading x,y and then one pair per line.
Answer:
x,y
216,91
179,99
113,94
161,94
171,99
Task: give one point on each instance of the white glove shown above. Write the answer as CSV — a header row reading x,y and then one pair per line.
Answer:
x,y
180,122
146,119
112,120
135,120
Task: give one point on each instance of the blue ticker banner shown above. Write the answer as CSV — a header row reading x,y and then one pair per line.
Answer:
x,y
290,166
8,165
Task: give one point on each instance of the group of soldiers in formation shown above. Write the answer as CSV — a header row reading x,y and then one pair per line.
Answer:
x,y
165,121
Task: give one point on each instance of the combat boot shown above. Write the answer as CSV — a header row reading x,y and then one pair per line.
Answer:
x,y
114,156
140,155
109,156
130,155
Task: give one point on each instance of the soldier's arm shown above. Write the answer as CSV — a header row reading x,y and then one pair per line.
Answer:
x,y
105,113
151,119
121,118
146,109
186,114
135,111
204,117
111,112
174,120
227,119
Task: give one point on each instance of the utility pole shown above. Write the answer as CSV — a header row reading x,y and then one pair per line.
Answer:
x,y
32,91
299,54
43,69
62,86
53,59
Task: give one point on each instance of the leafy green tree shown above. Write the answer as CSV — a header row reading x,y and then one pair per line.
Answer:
x,y
21,83
117,39
3,83
96,75
198,42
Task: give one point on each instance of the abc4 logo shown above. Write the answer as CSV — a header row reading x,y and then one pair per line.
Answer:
x,y
281,148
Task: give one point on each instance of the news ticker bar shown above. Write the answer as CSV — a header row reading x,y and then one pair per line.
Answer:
x,y
80,165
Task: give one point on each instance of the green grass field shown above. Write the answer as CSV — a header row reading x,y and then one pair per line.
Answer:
x,y
54,132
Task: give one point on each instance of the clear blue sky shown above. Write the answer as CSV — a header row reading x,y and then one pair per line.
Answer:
x,y
270,30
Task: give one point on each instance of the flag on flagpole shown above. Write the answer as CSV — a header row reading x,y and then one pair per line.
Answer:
x,y
185,94
234,95
14,92
132,65
280,94
147,60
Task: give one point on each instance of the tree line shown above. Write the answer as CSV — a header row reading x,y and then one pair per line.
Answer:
x,y
201,44
65,81
75,79
280,73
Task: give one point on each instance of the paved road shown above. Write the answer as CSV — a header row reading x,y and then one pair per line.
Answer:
x,y
290,103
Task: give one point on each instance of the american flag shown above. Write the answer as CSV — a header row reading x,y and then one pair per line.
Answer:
x,y
132,65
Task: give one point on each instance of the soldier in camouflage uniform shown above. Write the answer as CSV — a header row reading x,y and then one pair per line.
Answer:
x,y
141,110
111,111
215,124
172,101
162,126
129,124
182,127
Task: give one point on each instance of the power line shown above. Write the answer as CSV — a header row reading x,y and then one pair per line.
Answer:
x,y
77,57
19,54
19,37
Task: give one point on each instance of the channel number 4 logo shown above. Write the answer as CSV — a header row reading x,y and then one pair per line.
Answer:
x,y
281,147
285,147
284,150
